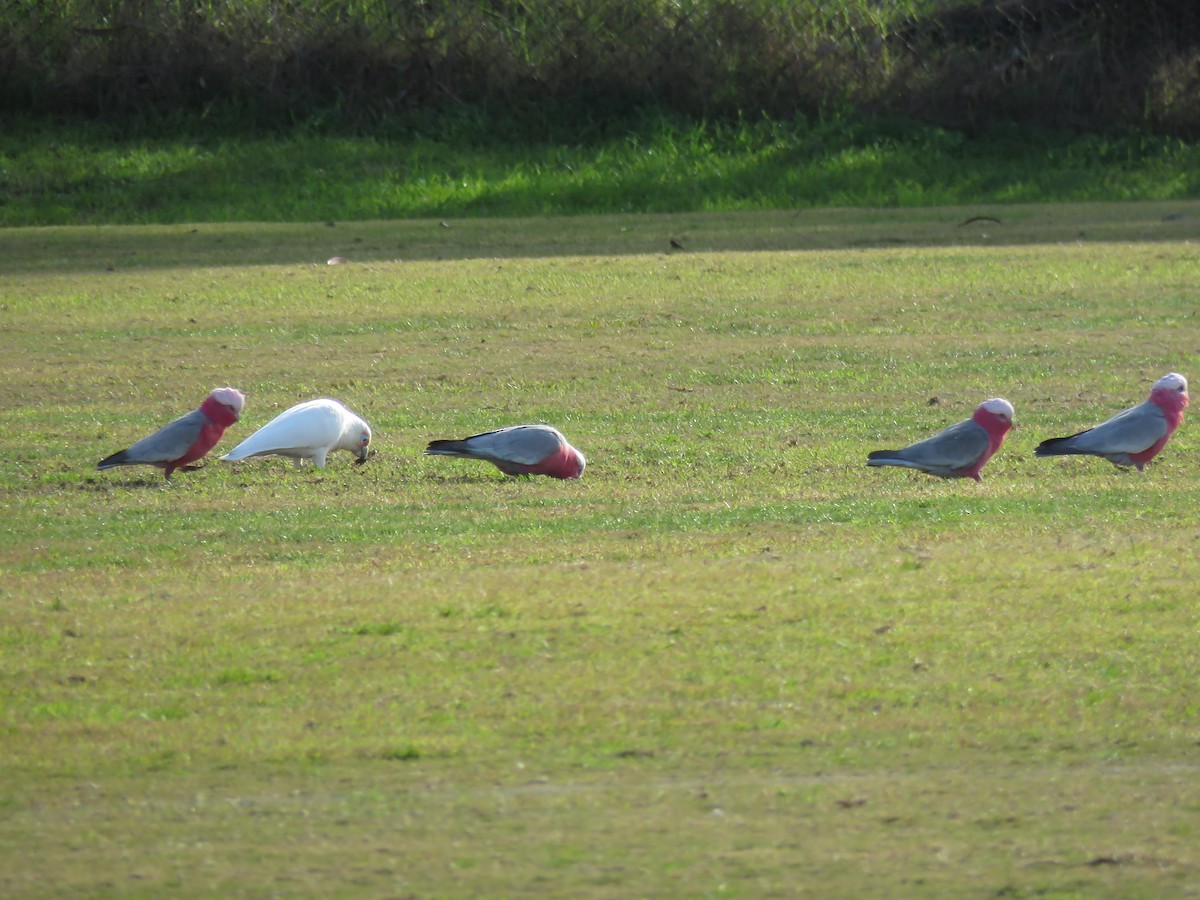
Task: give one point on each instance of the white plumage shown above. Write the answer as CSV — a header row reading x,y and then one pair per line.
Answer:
x,y
310,430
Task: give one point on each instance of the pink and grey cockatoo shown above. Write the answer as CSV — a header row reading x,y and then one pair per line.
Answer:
x,y
310,430
187,439
959,451
1131,438
518,450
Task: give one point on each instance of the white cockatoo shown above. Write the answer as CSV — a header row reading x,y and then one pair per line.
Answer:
x,y
310,430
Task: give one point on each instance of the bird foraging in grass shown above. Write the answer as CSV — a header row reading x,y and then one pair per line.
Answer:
x,y
187,439
518,450
959,451
310,430
1133,437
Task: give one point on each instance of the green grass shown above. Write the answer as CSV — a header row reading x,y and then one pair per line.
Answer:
x,y
88,173
732,660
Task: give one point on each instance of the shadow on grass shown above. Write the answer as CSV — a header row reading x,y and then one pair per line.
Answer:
x,y
113,249
97,484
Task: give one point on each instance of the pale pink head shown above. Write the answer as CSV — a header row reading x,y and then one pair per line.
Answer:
x,y
1172,384
1170,395
995,417
565,462
231,397
1172,380
997,410
580,463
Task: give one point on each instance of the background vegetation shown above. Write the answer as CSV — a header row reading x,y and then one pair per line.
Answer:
x,y
1090,64
242,110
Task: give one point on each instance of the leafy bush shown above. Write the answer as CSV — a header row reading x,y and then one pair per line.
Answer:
x,y
1082,63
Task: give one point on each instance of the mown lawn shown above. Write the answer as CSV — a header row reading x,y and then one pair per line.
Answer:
x,y
732,660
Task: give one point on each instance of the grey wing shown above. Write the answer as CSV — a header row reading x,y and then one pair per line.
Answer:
x,y
957,447
169,442
523,444
1132,431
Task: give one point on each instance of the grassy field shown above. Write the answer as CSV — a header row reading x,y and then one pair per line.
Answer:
x,y
731,661
131,173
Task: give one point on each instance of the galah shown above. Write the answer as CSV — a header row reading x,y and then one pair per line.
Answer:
x,y
1131,438
185,440
959,451
310,430
518,450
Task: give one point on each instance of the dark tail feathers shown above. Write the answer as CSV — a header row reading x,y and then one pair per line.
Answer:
x,y
117,459
1055,447
447,448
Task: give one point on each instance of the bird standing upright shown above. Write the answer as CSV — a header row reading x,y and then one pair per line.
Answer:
x,y
187,439
518,450
310,430
959,451
1131,438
